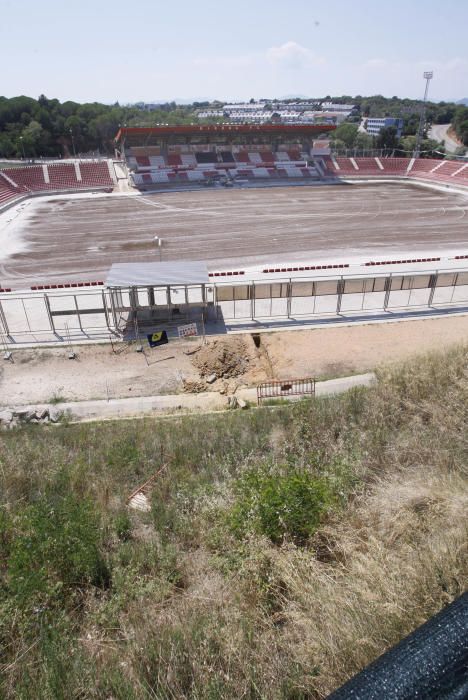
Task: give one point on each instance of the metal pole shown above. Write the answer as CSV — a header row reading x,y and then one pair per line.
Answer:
x,y
73,143
49,313
432,285
252,300
339,290
388,289
3,321
428,75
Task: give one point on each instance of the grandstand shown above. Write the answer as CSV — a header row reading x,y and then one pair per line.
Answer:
x,y
193,155
197,154
449,172
18,182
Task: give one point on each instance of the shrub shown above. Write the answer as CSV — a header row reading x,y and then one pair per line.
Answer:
x,y
123,526
56,551
278,505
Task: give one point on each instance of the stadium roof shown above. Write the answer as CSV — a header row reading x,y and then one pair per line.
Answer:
x,y
154,274
139,133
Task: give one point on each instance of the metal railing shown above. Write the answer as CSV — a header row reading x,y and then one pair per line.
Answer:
x,y
274,389
51,315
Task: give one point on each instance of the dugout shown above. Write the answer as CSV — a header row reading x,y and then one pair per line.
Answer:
x,y
155,292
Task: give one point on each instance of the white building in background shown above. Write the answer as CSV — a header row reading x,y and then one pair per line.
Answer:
x,y
283,112
335,107
374,126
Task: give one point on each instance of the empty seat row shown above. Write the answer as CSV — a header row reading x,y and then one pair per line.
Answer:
x,y
60,176
192,159
7,191
426,168
159,177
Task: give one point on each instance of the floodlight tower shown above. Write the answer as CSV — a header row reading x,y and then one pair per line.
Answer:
x,y
427,75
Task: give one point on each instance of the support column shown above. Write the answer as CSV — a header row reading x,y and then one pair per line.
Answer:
x,y
432,284
49,313
340,289
388,289
4,323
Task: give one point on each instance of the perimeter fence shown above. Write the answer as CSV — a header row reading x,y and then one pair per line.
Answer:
x,y
61,315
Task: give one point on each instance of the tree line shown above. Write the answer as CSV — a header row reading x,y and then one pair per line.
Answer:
x,y
31,128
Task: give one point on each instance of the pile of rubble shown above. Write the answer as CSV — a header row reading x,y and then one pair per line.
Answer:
x,y
11,418
222,358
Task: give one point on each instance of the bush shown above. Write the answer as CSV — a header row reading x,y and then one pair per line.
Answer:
x,y
56,552
278,505
123,526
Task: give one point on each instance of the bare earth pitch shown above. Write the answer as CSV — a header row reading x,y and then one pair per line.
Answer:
x,y
78,239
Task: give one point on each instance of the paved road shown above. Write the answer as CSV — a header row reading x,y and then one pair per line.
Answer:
x,y
179,404
439,133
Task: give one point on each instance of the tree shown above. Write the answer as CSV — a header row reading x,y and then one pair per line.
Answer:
x,y
32,136
387,138
7,148
364,142
347,133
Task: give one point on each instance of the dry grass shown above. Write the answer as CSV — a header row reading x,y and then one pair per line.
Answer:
x,y
193,610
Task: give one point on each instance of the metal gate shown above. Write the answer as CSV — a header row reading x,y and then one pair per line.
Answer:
x,y
274,389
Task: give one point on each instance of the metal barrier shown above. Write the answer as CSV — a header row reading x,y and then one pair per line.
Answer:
x,y
274,389
43,316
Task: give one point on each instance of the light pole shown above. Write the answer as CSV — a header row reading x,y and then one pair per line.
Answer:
x,y
22,147
73,143
427,75
159,241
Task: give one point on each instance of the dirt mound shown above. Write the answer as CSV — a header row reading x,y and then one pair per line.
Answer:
x,y
225,357
193,387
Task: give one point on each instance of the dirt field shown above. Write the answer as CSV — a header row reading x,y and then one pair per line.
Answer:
x,y
61,240
41,375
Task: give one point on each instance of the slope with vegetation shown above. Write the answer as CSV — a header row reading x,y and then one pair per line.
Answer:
x,y
285,549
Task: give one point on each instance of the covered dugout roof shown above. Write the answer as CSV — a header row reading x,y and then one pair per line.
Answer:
x,y
137,136
154,274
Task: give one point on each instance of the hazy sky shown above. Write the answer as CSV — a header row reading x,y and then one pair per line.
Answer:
x,y
231,49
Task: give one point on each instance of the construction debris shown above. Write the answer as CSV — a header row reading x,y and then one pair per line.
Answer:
x,y
139,499
191,386
192,352
224,357
11,418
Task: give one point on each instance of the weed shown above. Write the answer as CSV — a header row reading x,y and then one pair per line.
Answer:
x,y
56,398
284,551
279,503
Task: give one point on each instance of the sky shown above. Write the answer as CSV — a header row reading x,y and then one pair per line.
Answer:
x,y
97,50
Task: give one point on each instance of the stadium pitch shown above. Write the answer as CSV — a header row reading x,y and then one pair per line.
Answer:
x,y
64,239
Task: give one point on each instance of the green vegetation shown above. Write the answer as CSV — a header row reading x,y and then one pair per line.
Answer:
x,y
346,137
460,124
47,127
284,503
284,550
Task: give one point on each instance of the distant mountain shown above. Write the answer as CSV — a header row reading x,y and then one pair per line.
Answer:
x,y
464,101
294,96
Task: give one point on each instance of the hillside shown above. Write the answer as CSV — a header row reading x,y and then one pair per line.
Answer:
x,y
285,547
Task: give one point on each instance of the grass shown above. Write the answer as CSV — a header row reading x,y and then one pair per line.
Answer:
x,y
285,549
56,398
